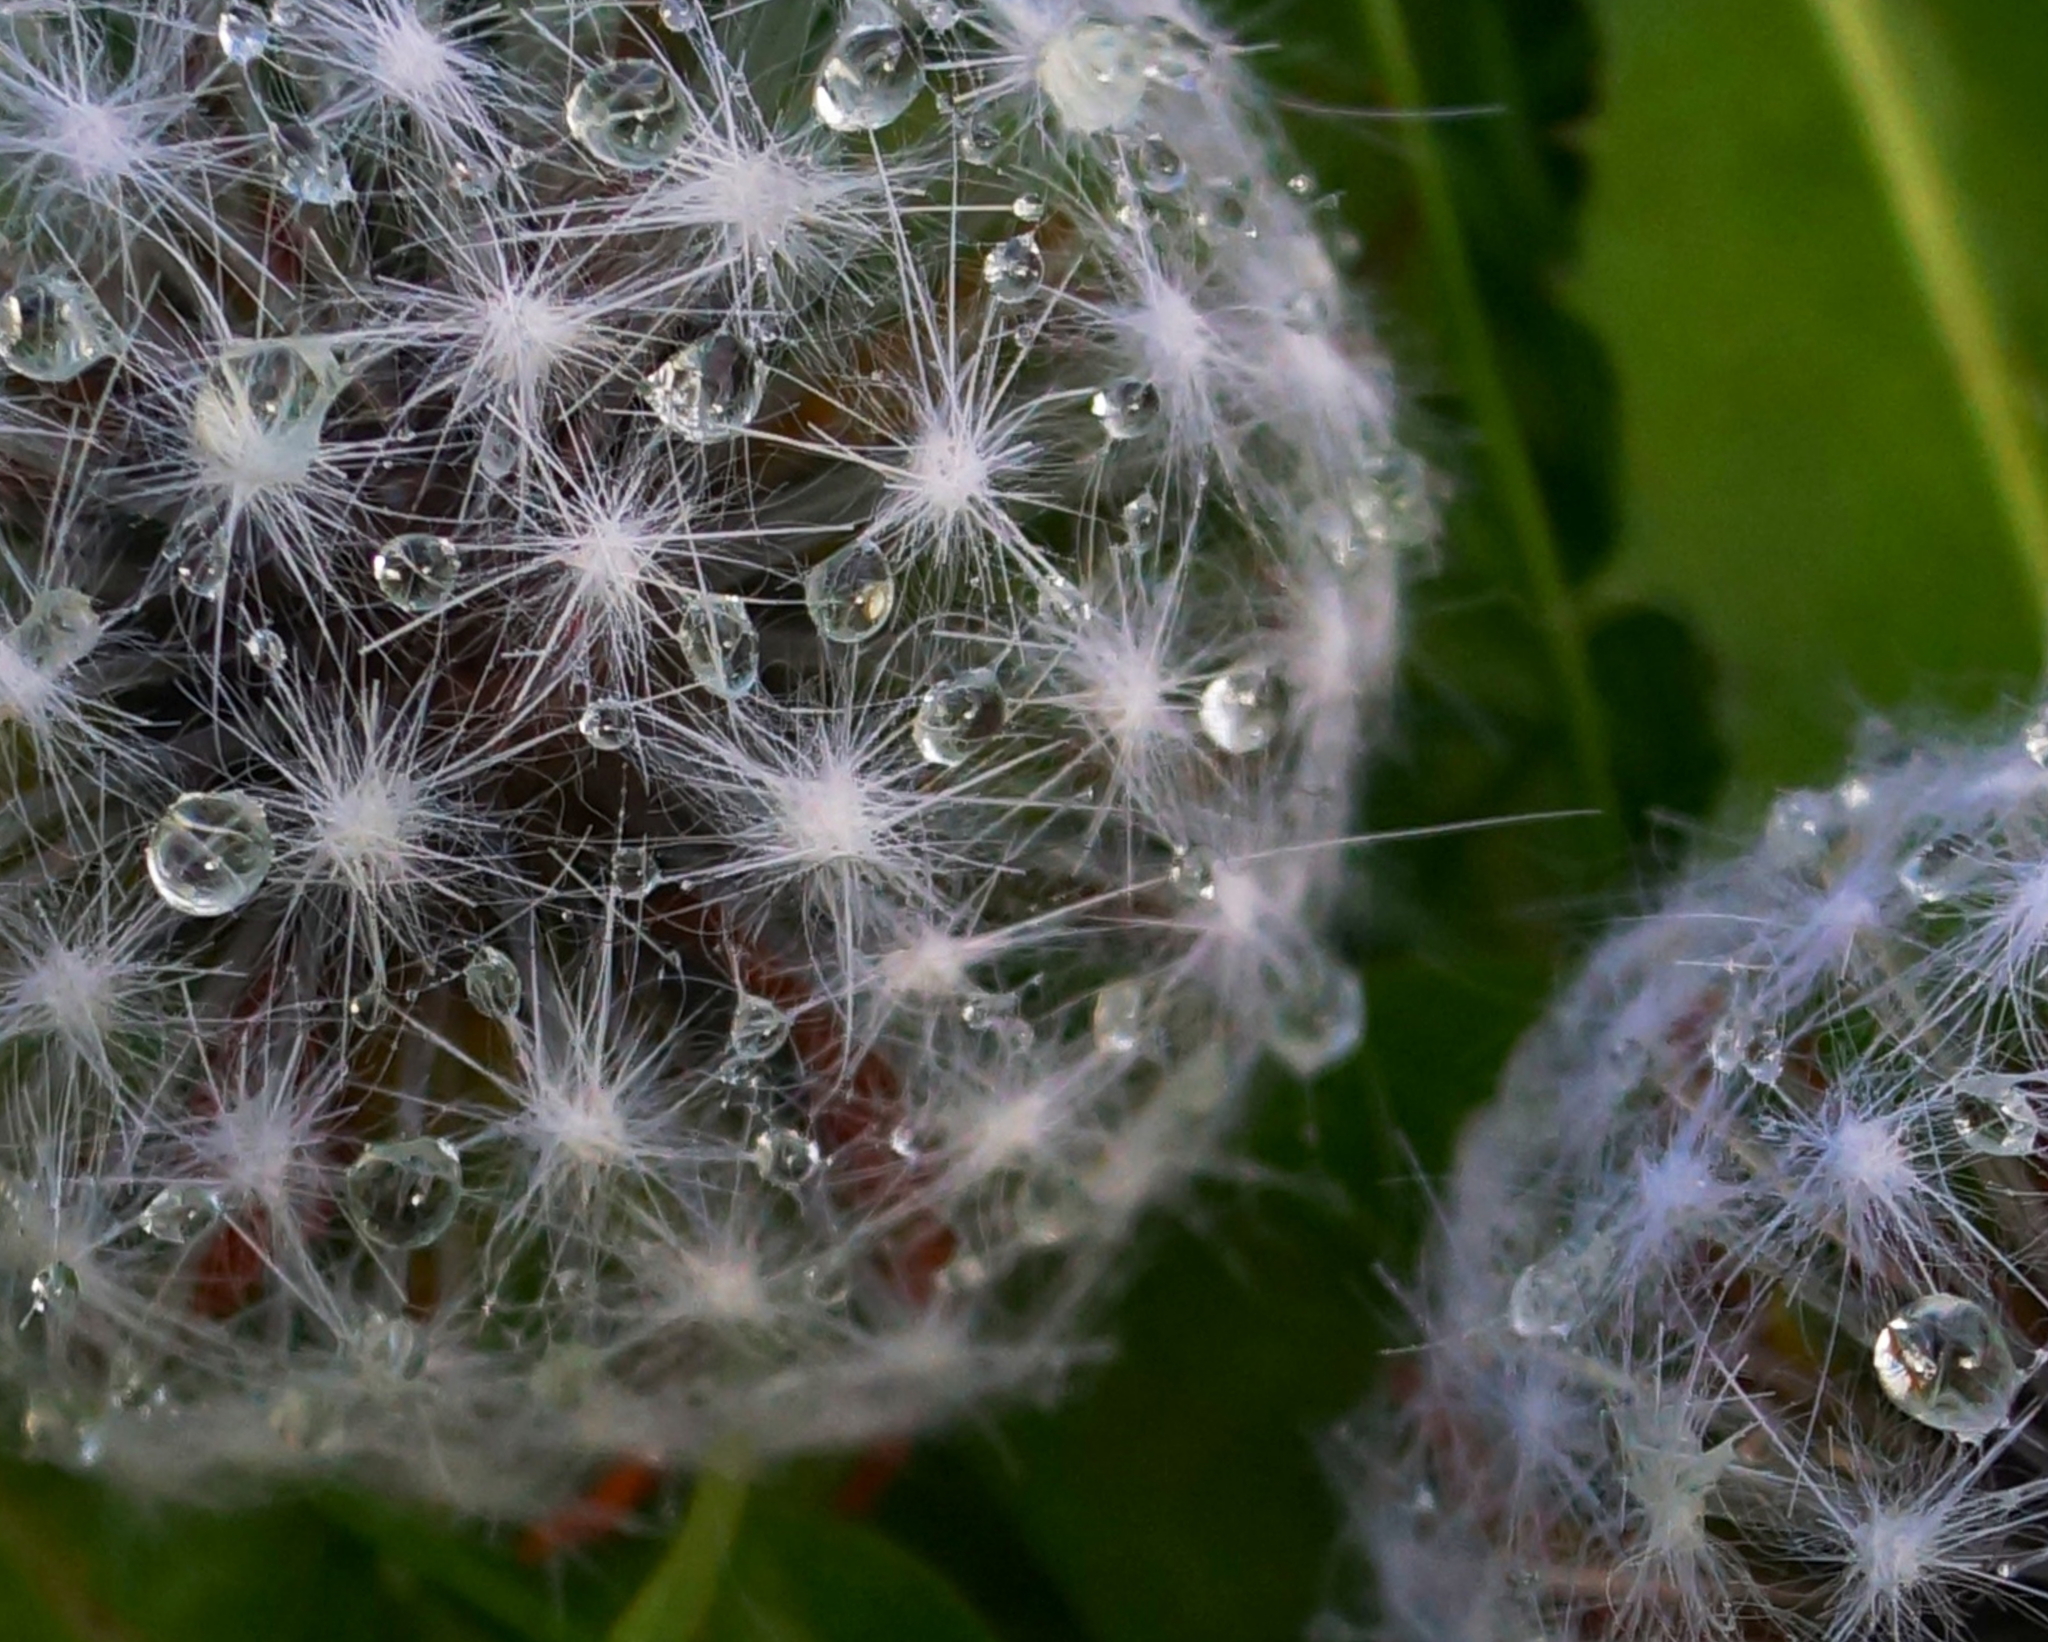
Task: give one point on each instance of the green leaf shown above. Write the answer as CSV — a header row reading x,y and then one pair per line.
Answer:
x,y
1803,480
678,1598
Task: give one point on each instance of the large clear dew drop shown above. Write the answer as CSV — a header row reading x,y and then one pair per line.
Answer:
x,y
57,631
1994,1116
607,725
272,391
959,715
1317,1016
629,114
1014,270
179,1214
490,981
209,853
850,594
1242,710
873,74
760,1026
309,166
52,329
1553,1294
720,643
707,391
416,571
403,1194
1944,1362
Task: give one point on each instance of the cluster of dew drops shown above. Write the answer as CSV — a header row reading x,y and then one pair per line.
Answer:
x,y
210,853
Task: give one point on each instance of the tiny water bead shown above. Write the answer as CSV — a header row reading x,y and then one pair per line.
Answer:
x,y
52,329
416,571
707,391
873,74
57,631
850,594
1117,1022
959,715
1944,1362
1142,520
980,141
1159,167
1028,208
634,871
1014,270
1741,1043
1553,1294
243,31
2035,738
53,1291
1093,75
1802,827
265,649
759,1027
607,725
268,391
490,981
309,166
203,563
1995,1116
720,643
1127,408
1940,869
178,1214
209,853
403,1194
1192,876
1242,709
783,1156
628,114
1318,1016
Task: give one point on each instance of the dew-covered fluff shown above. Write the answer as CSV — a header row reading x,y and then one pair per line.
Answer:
x,y
1732,1323
677,687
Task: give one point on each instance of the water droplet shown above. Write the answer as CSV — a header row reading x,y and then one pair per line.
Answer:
x,y
784,1157
759,1027
707,391
497,452
1553,1294
2035,738
308,165
208,854
980,141
1142,519
51,329
1995,1115
416,571
1241,710
1028,208
1225,214
1118,1019
607,725
1013,270
850,594
1172,55
634,872
53,1291
873,74
938,15
1193,873
720,643
367,1009
1939,869
1742,1043
1093,75
389,1348
269,391
1319,1015
404,1193
243,32
490,981
1127,408
1944,1362
265,649
680,16
959,715
1159,167
177,1214
1801,829
627,114
203,563
57,631
997,1013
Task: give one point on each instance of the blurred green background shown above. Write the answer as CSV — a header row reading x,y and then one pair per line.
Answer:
x,y
1717,493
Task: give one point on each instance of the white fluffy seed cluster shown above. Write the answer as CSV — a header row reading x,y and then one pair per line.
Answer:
x,y
676,685
1732,1323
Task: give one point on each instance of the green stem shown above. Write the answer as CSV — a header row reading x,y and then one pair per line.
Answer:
x,y
1486,393
1924,206
676,1600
